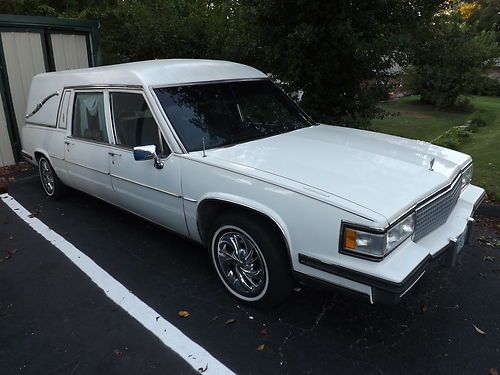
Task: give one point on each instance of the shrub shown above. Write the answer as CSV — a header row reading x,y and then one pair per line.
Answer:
x,y
486,86
448,62
453,138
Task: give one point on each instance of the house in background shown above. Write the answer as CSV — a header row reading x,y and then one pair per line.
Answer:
x,y
32,45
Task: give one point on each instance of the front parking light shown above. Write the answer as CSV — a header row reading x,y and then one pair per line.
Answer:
x,y
374,244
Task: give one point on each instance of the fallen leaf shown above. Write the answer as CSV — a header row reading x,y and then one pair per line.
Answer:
x,y
263,332
230,321
215,318
261,347
493,371
202,370
423,308
482,274
183,314
489,258
480,331
117,352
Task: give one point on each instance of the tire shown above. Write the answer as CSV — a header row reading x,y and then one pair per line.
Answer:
x,y
52,186
259,273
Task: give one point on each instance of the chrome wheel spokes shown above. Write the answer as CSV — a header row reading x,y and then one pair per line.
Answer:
x,y
241,263
46,176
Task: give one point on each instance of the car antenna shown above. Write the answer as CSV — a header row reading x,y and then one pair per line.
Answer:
x,y
203,145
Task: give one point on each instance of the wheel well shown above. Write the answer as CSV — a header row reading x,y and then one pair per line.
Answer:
x,y
38,155
210,209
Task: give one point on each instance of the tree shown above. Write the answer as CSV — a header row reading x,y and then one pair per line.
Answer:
x,y
485,16
449,60
336,52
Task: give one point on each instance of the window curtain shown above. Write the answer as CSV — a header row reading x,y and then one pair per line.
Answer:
x,y
91,107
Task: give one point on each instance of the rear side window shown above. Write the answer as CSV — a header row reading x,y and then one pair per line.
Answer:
x,y
134,123
89,121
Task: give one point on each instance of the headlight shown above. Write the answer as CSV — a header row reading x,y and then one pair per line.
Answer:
x,y
467,176
400,232
377,245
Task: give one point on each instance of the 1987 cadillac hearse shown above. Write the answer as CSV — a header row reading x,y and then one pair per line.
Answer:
x,y
216,152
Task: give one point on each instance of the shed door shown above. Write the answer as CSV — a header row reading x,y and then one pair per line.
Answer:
x,y
70,51
24,58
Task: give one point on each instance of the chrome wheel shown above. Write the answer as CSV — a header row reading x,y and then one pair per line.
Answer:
x,y
46,176
240,263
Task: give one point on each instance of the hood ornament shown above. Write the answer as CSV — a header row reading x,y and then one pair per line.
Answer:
x,y
431,164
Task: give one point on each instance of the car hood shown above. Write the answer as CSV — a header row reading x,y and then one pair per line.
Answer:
x,y
382,173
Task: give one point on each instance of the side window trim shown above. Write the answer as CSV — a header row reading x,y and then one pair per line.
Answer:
x,y
71,110
162,137
62,115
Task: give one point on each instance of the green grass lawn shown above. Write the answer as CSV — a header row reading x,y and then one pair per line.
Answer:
x,y
420,121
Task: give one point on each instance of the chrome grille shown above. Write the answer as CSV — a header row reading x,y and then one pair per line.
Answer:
x,y
435,213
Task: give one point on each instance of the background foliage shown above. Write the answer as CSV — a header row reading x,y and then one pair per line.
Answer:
x,y
450,61
338,54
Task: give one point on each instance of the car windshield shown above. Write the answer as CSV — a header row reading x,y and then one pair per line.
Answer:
x,y
226,113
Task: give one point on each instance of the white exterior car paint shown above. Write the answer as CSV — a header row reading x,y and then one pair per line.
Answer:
x,y
308,181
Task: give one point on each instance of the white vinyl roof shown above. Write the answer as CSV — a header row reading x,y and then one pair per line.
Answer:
x,y
156,72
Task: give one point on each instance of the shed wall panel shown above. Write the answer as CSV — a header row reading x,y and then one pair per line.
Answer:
x,y
70,51
24,58
6,156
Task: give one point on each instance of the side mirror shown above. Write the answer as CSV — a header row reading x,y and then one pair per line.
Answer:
x,y
148,153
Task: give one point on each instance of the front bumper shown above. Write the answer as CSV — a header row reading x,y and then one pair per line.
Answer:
x,y
381,289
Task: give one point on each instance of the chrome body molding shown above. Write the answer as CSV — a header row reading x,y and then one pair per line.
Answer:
x,y
55,157
147,186
189,199
87,167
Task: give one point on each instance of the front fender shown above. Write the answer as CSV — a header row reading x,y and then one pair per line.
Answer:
x,y
249,204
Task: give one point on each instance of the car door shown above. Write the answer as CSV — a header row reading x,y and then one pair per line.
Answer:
x,y
140,186
87,145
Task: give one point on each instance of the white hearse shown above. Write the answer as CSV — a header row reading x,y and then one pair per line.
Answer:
x,y
216,152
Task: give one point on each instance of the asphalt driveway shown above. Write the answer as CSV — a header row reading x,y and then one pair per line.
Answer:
x,y
54,320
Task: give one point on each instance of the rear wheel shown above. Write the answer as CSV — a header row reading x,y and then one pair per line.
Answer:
x,y
250,260
51,184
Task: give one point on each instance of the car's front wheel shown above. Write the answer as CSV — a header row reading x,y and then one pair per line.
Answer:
x,y
250,260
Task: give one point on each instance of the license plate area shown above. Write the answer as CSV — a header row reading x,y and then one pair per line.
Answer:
x,y
461,241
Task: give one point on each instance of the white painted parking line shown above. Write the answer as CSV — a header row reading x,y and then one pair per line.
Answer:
x,y
171,336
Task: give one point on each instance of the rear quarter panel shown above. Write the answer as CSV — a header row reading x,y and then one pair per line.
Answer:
x,y
48,141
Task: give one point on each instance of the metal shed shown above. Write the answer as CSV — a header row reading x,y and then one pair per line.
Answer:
x,y
32,45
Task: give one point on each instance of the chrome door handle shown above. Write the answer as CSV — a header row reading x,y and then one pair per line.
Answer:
x,y
68,143
114,154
